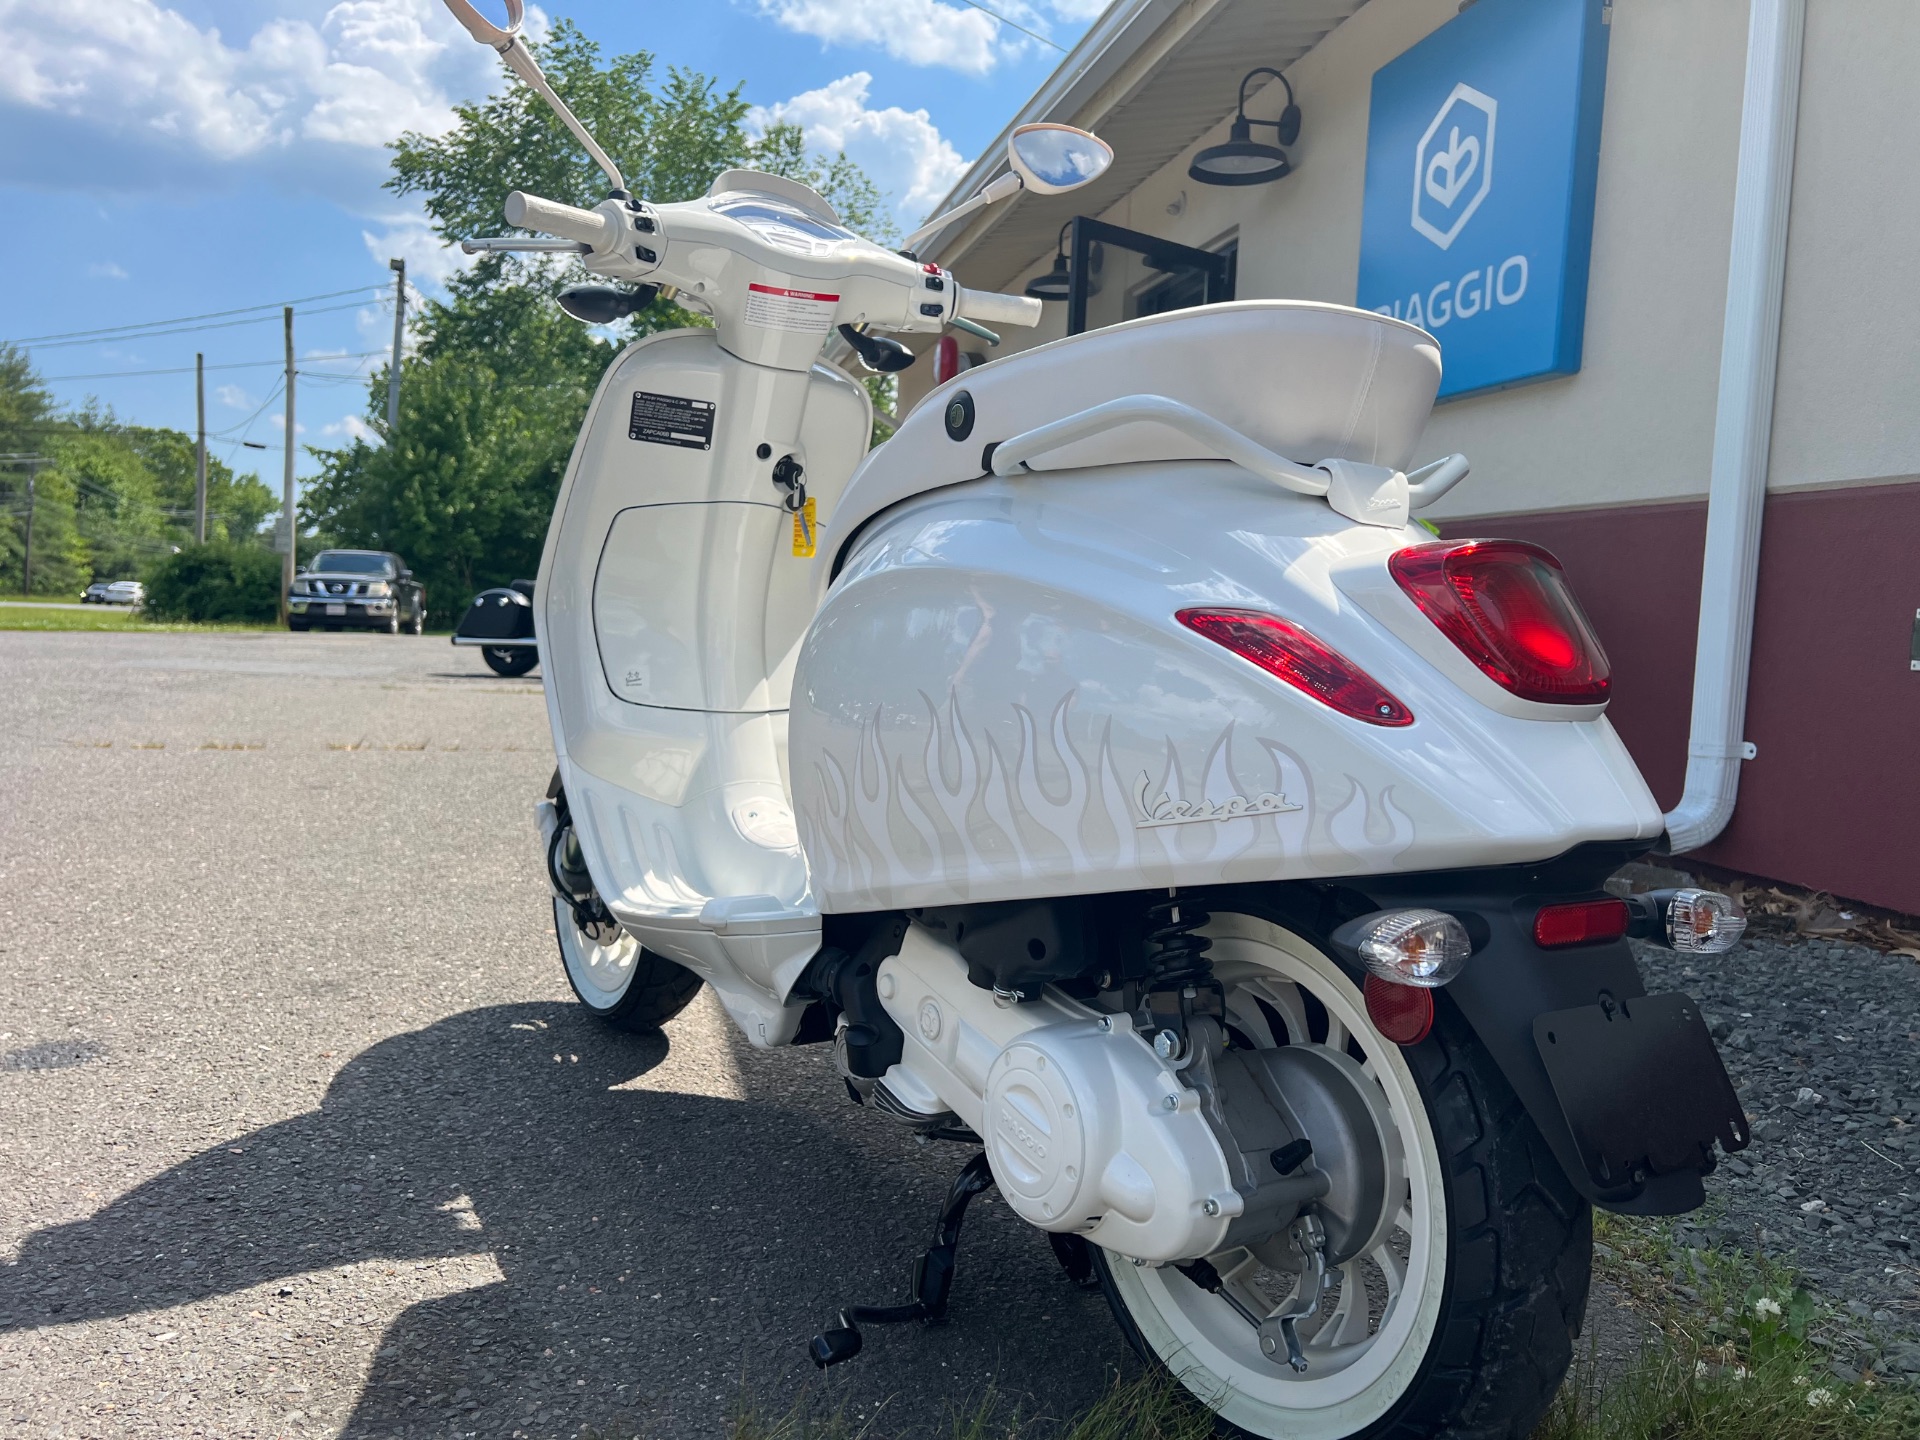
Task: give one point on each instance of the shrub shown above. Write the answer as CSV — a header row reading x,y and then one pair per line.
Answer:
x,y
219,581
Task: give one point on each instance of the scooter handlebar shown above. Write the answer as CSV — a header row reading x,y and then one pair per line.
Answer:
x,y
530,212
990,308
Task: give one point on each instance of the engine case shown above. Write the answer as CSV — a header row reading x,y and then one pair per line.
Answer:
x,y
1086,1128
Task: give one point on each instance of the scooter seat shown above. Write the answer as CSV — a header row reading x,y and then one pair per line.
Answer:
x,y
1307,380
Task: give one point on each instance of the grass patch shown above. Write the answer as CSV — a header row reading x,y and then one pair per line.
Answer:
x,y
40,616
1740,1351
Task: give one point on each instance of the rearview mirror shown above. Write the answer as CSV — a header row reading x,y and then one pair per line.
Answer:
x,y
1053,159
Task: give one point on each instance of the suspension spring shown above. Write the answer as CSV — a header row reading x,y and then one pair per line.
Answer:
x,y
1176,956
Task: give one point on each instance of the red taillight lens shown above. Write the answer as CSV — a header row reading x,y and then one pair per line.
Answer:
x,y
1285,650
1402,1013
1584,922
1507,606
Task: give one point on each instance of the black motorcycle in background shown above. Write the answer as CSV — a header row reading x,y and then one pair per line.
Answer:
x,y
500,622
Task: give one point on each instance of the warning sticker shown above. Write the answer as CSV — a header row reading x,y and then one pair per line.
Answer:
x,y
671,420
772,308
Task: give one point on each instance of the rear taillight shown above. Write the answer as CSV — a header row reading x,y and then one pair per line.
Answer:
x,y
1285,650
1507,606
1583,922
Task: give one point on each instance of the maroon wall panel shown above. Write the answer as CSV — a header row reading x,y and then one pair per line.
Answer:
x,y
1833,800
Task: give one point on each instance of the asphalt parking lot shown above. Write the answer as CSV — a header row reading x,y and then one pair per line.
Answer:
x,y
303,1135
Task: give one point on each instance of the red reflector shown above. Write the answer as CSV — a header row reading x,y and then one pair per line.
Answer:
x,y
1402,1013
1584,922
1285,650
1507,606
946,359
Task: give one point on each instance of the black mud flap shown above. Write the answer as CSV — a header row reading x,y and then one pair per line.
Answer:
x,y
1641,1086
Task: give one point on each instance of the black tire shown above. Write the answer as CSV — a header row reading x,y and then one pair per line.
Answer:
x,y
296,629
509,661
655,988
1519,1257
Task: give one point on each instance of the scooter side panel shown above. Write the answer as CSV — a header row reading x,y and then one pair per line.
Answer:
x,y
676,776
997,703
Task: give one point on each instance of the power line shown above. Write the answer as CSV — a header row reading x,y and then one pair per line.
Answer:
x,y
1031,34
184,319
379,300
188,369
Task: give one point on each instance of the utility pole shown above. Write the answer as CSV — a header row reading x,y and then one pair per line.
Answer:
x,y
399,268
200,450
31,464
286,478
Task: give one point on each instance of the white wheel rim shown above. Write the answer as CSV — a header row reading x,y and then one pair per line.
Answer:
x,y
1361,1357
600,973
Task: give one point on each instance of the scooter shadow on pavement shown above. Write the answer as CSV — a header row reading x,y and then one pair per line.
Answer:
x,y
658,1249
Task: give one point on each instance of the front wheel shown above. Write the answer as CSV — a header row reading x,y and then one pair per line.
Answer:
x,y
1461,1318
624,984
504,660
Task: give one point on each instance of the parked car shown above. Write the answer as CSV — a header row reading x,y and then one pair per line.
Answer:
x,y
115,592
500,623
357,590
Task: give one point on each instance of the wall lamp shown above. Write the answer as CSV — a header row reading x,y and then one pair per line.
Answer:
x,y
1057,283
1244,160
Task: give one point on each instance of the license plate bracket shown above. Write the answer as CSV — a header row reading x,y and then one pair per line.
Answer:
x,y
1641,1086
336,609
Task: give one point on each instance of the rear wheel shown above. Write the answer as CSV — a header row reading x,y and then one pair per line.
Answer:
x,y
1460,1318
624,984
503,660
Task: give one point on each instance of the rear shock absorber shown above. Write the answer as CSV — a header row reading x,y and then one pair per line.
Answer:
x,y
1178,983
1176,955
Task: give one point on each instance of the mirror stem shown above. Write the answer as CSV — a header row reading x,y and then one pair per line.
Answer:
x,y
1000,189
520,60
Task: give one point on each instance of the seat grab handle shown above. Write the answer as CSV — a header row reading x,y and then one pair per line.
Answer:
x,y
1012,456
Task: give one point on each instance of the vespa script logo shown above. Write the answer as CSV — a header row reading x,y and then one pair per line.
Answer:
x,y
1453,165
1168,811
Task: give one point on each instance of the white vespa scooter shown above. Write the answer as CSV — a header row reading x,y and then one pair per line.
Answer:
x,y
1171,820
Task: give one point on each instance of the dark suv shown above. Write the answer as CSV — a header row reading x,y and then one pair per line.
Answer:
x,y
357,590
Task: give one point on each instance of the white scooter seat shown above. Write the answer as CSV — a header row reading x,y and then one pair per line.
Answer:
x,y
1306,380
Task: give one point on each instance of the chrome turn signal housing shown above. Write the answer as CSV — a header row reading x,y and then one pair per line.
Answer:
x,y
1703,922
1423,948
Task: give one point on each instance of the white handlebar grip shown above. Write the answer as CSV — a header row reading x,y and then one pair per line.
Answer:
x,y
530,212
483,29
991,308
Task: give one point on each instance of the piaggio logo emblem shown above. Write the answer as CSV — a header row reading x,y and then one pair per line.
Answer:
x,y
1453,165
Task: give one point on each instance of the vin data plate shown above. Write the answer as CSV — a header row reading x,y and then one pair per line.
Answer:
x,y
671,420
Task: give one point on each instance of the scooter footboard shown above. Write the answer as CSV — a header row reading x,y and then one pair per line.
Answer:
x,y
1626,1088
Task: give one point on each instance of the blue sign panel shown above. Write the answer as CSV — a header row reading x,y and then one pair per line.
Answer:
x,y
1482,152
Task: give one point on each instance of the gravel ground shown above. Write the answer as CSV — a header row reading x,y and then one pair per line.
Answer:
x,y
303,1135
1823,1041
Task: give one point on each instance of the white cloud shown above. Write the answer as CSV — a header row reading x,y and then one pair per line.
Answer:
x,y
110,82
351,427
106,270
919,32
233,397
902,150
409,237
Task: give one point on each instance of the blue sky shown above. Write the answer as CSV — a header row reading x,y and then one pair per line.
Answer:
x,y
174,157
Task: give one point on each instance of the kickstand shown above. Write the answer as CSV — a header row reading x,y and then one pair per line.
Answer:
x,y
932,1280
1075,1257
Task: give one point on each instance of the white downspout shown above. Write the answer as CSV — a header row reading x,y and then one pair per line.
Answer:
x,y
1743,422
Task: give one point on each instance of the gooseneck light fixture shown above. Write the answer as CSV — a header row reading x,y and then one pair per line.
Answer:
x,y
1244,160
1057,282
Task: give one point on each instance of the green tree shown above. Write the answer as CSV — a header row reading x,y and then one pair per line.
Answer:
x,y
110,499
463,485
